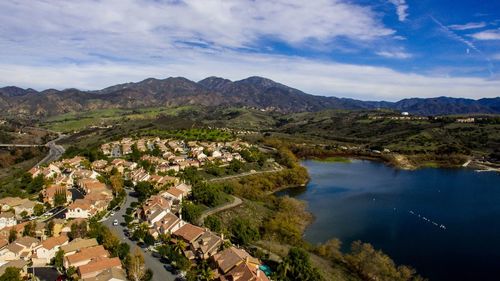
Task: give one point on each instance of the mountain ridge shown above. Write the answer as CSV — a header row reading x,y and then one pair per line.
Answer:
x,y
254,91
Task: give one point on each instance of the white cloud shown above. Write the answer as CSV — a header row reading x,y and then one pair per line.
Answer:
x,y
467,26
394,54
315,77
493,34
401,9
235,24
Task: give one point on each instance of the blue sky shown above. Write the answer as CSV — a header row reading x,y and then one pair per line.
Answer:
x,y
372,50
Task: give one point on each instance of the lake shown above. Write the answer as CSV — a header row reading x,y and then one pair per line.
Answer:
x,y
443,222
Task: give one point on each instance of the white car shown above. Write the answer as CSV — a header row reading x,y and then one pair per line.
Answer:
x,y
115,222
112,214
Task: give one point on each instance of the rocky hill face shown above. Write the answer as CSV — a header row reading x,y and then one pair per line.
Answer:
x,y
213,91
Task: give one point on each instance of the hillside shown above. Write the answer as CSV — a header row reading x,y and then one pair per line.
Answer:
x,y
256,92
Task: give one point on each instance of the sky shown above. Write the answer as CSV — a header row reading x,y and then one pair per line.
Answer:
x,y
362,49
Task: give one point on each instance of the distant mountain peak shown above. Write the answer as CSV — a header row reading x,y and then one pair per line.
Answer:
x,y
255,91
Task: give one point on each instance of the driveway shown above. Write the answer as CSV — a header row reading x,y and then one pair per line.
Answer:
x,y
45,273
159,272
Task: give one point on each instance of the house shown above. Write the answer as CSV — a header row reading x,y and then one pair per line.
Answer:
x,y
22,265
91,185
185,188
168,224
81,208
26,207
98,266
139,175
189,233
11,252
8,203
50,192
207,245
19,228
48,249
245,271
85,256
173,193
78,244
7,219
156,216
99,165
153,204
21,248
229,258
112,274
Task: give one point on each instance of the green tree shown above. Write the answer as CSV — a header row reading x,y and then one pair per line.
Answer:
x,y
296,266
59,260
29,229
36,185
213,223
11,274
12,235
60,197
191,212
49,228
38,210
243,232
24,214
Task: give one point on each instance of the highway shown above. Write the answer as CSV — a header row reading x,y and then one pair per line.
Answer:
x,y
55,151
159,272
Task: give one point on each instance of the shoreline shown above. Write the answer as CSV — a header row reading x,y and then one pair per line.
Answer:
x,y
404,162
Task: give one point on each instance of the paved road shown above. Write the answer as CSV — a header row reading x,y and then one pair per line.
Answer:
x,y
19,145
159,272
235,203
246,174
55,151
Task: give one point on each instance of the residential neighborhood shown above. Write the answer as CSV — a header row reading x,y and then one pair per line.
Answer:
x,y
46,232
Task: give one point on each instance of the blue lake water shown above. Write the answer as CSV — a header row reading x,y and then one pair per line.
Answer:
x,y
371,202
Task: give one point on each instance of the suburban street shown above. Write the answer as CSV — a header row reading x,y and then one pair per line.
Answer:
x,y
159,272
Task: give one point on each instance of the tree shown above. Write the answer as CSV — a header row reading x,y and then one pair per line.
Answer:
x,y
60,197
78,230
11,274
296,266
123,250
29,229
12,235
49,228
59,260
38,210
136,270
149,239
116,183
35,185
24,214
243,232
213,223
191,212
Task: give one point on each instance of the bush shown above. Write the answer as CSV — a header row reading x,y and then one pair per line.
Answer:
x,y
243,232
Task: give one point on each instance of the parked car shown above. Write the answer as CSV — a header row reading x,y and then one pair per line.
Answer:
x,y
115,222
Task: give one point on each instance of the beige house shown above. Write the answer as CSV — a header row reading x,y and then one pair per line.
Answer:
x,y
48,249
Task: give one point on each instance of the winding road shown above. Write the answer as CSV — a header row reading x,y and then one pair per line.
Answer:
x,y
55,151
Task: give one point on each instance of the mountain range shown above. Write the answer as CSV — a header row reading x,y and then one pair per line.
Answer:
x,y
254,91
